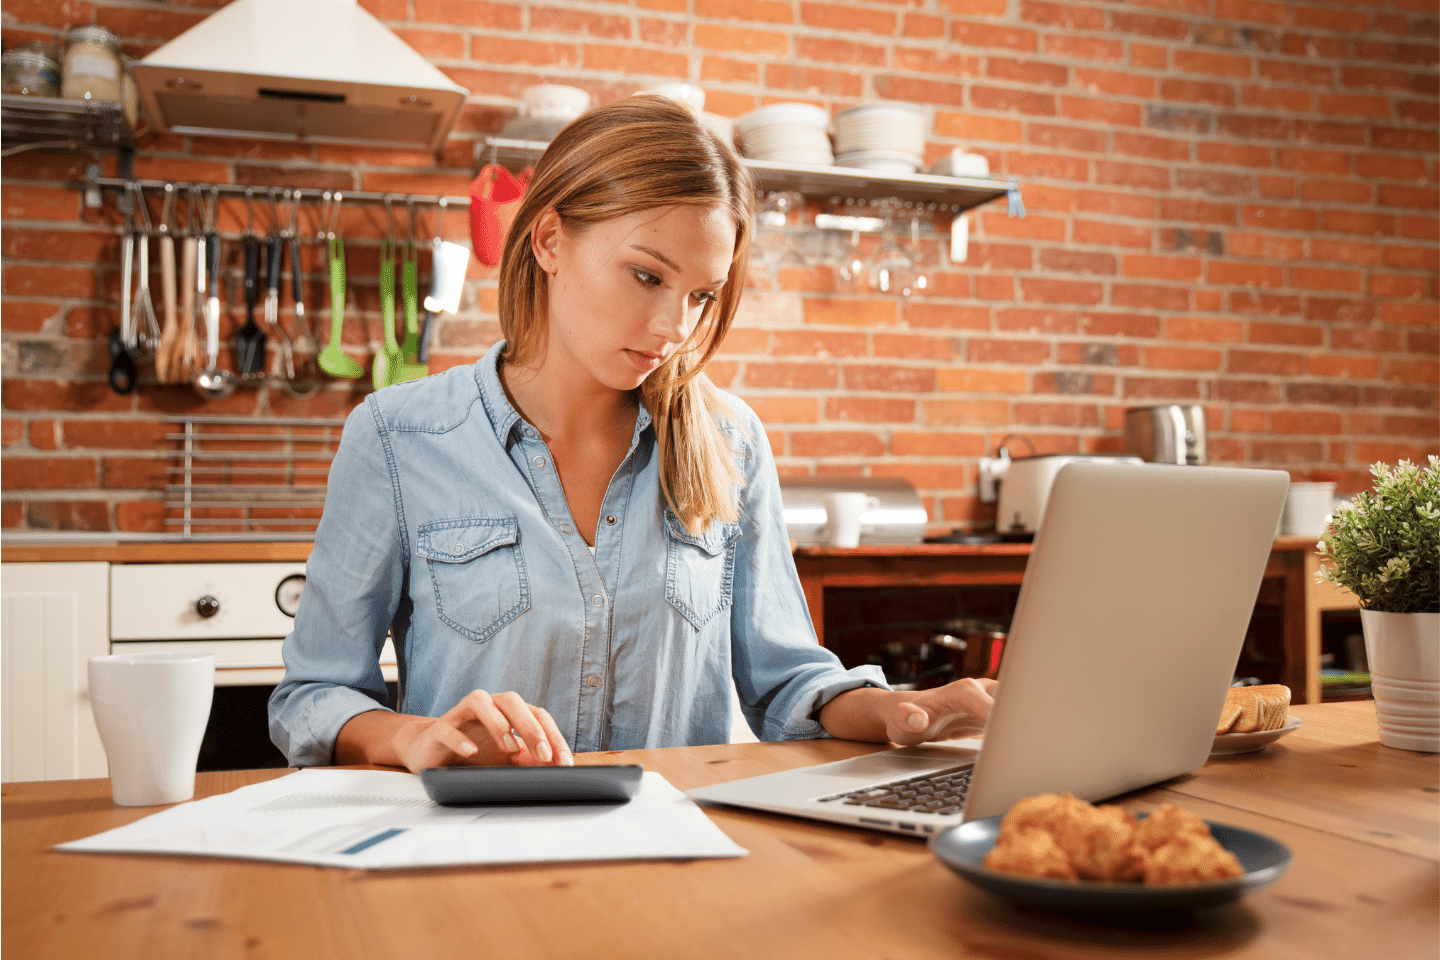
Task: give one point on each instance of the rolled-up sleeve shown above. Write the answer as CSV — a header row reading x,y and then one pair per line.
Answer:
x,y
354,580
782,674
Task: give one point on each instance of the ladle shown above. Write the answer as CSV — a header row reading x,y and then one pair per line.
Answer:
x,y
333,360
211,382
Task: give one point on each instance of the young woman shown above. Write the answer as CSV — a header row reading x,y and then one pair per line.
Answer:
x,y
577,542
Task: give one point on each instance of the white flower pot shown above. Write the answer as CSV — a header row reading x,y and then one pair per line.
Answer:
x,y
1403,650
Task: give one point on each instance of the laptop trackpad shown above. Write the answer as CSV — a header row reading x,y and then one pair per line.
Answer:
x,y
879,766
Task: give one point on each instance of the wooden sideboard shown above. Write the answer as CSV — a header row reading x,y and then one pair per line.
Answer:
x,y
1290,573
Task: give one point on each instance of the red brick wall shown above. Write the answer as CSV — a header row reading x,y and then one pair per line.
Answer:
x,y
1230,203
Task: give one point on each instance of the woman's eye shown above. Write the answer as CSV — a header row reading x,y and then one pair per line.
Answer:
x,y
704,296
649,279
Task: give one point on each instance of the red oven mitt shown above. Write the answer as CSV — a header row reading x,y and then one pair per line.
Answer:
x,y
492,189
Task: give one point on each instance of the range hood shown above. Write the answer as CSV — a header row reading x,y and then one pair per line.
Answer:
x,y
315,70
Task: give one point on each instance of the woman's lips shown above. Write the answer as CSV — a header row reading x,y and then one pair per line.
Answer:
x,y
645,361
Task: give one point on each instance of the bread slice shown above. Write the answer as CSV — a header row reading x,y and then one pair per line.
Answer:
x,y
1253,709
1228,715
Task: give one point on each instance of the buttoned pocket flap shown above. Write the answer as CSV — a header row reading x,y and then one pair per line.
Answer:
x,y
460,541
716,539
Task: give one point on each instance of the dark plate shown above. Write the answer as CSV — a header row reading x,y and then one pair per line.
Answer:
x,y
963,850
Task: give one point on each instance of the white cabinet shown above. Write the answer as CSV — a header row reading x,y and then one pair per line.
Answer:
x,y
54,618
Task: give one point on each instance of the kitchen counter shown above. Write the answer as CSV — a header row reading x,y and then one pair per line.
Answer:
x,y
146,548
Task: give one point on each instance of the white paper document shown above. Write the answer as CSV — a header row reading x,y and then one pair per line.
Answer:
x,y
383,820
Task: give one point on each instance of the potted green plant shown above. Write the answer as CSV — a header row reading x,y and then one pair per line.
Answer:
x,y
1384,547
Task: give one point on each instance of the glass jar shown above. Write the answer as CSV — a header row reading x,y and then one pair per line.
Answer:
x,y
92,64
31,71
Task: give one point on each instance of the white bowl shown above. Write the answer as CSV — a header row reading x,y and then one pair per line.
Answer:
x,y
554,101
782,114
686,93
878,163
722,127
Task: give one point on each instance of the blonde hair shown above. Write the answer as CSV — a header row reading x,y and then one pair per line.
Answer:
x,y
637,154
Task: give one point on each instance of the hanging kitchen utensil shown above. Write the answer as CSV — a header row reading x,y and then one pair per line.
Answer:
x,y
170,327
303,379
185,360
122,363
493,188
409,272
448,263
389,359
211,382
250,339
333,360
410,368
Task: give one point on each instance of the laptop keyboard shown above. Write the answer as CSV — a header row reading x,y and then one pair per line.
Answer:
x,y
941,792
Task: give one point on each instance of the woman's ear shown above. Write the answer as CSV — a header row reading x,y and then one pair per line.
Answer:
x,y
545,240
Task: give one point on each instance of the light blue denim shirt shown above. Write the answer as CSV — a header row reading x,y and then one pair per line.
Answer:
x,y
446,524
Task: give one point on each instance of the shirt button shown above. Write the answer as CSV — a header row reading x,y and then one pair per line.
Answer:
x,y
539,461
458,549
598,600
610,519
593,681
564,528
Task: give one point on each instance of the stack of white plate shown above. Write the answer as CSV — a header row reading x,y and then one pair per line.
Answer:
x,y
887,137
786,133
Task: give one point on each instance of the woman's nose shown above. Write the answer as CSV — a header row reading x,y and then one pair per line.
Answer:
x,y
675,320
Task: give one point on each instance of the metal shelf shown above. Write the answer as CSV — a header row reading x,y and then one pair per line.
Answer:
x,y
37,122
955,193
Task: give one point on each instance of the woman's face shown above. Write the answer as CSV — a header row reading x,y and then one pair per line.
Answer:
x,y
625,293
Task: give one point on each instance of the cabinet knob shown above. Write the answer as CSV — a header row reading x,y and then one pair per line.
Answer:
x,y
207,606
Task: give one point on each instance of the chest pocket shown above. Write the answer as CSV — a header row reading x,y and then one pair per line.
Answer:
x,y
477,571
699,570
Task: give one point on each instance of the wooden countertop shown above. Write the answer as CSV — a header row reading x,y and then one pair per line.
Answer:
x,y
158,551
1360,820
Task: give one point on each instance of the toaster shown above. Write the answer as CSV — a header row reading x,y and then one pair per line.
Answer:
x,y
1026,487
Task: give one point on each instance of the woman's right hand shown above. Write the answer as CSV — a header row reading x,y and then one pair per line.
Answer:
x,y
483,729
486,729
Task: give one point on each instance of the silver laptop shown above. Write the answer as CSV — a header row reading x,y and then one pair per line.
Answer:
x,y
1128,627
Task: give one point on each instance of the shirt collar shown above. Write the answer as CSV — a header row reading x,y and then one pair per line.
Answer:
x,y
504,418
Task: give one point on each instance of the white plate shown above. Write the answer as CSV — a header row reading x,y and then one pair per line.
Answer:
x,y
1228,743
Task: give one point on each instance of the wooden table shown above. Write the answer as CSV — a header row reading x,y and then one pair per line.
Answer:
x,y
1289,574
1361,819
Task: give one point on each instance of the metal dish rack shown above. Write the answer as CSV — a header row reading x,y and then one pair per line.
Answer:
x,y
248,477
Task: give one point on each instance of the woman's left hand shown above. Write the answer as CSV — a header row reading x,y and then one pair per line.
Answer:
x,y
958,709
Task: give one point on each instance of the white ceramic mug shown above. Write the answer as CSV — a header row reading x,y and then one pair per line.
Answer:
x,y
843,512
151,710
1307,509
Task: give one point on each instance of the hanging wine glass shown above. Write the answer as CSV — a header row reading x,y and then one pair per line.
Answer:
x,y
891,269
922,263
773,248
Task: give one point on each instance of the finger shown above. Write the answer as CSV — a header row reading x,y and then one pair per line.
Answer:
x,y
452,739
557,739
534,726
479,706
